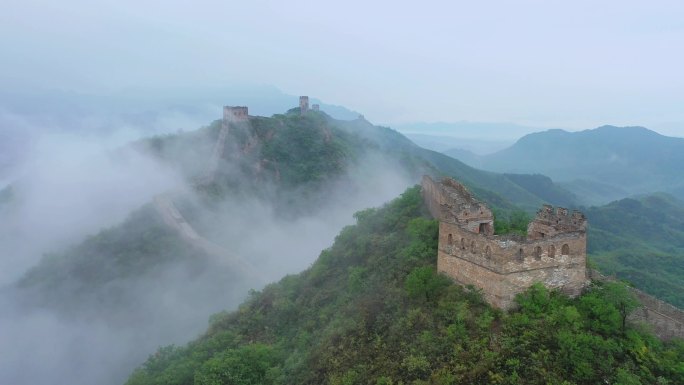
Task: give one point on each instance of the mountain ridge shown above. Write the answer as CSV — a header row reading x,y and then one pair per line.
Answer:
x,y
607,161
373,310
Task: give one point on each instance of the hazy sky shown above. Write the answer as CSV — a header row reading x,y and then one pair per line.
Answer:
x,y
575,64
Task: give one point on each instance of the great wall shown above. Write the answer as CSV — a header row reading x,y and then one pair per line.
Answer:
x,y
167,210
554,253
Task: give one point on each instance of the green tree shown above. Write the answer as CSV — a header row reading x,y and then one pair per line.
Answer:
x,y
622,298
255,364
424,282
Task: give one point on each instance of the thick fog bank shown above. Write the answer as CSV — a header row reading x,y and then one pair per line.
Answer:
x,y
72,187
67,187
279,245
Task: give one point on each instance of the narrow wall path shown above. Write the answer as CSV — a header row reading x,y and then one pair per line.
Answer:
x,y
175,220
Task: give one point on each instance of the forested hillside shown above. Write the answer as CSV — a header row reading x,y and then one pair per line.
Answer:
x,y
599,165
641,240
372,310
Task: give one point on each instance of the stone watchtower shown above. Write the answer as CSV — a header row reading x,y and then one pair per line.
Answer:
x,y
235,114
554,253
303,104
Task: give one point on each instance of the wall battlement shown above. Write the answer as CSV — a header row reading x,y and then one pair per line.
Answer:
x,y
452,203
550,222
503,266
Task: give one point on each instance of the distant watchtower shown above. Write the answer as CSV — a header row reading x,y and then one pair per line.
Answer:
x,y
235,114
315,107
303,104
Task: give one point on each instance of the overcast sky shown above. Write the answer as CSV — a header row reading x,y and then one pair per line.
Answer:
x,y
574,64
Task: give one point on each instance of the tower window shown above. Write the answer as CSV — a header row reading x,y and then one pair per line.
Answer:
x,y
537,253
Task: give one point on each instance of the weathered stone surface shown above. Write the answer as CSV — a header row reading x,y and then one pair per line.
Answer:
x,y
554,253
235,114
503,266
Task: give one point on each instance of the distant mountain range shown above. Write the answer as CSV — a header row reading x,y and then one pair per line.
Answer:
x,y
599,165
471,130
444,143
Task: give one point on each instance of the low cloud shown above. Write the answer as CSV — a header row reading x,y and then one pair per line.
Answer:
x,y
72,186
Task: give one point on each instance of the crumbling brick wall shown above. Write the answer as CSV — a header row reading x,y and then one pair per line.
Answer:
x,y
235,114
503,266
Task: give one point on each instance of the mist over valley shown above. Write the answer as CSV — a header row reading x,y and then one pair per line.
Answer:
x,y
312,193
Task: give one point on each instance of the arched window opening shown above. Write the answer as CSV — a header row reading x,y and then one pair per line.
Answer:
x,y
462,243
537,253
521,255
565,250
473,246
450,240
552,251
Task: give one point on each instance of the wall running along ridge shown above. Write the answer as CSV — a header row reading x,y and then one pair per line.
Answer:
x,y
664,320
168,211
554,253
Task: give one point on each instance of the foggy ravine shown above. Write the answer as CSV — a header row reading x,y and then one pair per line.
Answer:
x,y
72,187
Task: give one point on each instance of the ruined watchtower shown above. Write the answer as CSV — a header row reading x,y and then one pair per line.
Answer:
x,y
303,104
315,107
235,114
554,253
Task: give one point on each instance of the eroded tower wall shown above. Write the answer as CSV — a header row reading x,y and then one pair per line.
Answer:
x,y
503,266
235,114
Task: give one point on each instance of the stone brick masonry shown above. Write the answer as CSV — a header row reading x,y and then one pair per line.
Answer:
x,y
554,253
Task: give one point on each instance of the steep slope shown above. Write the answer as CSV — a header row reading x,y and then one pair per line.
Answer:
x,y
641,240
372,310
91,276
606,159
495,188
